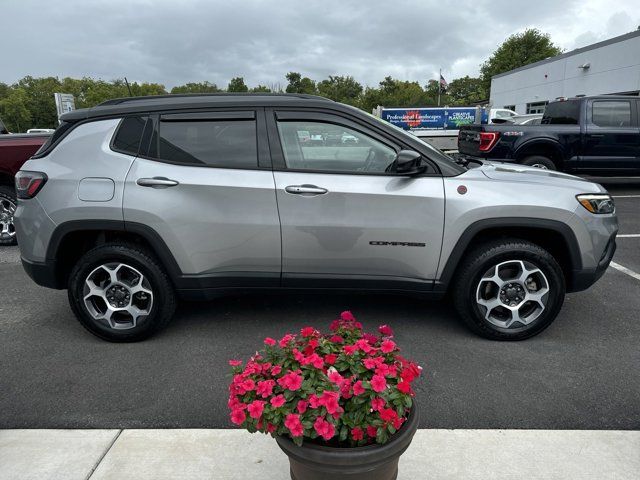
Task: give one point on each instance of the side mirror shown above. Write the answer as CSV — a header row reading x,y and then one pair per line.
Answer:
x,y
408,162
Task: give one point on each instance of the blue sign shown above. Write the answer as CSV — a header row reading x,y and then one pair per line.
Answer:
x,y
430,118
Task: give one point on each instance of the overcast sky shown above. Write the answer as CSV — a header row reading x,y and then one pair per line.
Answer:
x,y
178,41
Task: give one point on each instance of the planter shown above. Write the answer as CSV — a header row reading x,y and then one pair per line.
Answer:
x,y
373,462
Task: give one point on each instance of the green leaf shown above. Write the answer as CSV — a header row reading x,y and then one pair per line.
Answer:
x,y
344,431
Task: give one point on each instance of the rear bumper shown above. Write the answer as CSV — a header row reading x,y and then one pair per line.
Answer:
x,y
583,279
43,273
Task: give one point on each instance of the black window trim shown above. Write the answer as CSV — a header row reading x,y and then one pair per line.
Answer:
x,y
633,111
252,113
291,114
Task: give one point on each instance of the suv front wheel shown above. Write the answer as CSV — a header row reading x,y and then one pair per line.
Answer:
x,y
509,289
120,293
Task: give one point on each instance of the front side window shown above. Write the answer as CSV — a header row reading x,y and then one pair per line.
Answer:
x,y
612,113
331,147
216,143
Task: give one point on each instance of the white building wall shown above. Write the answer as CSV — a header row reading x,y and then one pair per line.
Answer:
x,y
614,68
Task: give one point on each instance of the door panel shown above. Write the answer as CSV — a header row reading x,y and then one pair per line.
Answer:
x,y
213,221
364,225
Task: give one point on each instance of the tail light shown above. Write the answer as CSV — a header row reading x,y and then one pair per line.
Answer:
x,y
28,184
488,140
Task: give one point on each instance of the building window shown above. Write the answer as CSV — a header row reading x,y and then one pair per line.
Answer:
x,y
510,107
536,107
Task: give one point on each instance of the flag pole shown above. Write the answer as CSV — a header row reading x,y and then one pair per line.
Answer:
x,y
439,86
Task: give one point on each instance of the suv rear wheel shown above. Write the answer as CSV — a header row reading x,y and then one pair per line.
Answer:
x,y
120,293
509,290
7,210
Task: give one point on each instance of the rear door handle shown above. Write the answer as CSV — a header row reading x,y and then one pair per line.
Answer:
x,y
305,190
156,182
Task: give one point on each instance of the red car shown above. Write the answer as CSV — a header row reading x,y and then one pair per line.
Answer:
x,y
15,149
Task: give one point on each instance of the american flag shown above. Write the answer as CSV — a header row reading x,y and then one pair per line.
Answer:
x,y
443,83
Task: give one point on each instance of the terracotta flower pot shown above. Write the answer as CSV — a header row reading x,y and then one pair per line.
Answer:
x,y
373,462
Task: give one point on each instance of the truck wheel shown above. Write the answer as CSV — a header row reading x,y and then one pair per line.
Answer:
x,y
539,161
120,293
7,209
508,289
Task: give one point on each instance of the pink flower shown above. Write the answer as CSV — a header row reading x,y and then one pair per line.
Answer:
x,y
313,359
335,377
275,370
249,385
388,346
284,341
357,434
358,389
330,358
269,341
324,428
336,339
371,339
335,325
265,388
238,416
404,387
370,363
255,408
302,406
377,404
350,349
292,422
372,431
347,316
363,345
308,332
314,401
385,330
291,381
388,415
235,363
278,401
378,383
329,400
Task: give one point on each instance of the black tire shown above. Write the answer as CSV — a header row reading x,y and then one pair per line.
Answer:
x,y
540,162
7,197
478,262
164,299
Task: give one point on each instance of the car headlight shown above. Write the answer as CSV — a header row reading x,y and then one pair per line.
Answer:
x,y
599,203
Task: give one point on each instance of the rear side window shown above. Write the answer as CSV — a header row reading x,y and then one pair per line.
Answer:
x,y
129,135
611,113
216,143
562,113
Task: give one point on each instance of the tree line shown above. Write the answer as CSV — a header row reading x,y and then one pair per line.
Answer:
x,y
29,103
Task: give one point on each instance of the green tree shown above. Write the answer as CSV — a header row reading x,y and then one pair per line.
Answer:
x,y
516,51
14,111
341,89
237,85
198,87
395,93
40,101
465,91
261,89
144,89
299,84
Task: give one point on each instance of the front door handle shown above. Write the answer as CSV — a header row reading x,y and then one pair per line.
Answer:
x,y
305,190
156,182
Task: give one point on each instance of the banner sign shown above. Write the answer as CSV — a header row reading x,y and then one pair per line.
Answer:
x,y
65,102
431,118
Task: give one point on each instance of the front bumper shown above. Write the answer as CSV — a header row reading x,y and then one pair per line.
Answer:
x,y
583,279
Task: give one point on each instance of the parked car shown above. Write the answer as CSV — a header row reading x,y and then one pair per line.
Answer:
x,y
140,200
528,119
41,130
592,135
15,149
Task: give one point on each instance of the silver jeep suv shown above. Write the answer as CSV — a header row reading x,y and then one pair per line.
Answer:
x,y
140,200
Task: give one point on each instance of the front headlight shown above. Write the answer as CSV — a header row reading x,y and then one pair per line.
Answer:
x,y
599,203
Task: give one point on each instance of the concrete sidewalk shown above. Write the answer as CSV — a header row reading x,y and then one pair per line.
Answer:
x,y
236,454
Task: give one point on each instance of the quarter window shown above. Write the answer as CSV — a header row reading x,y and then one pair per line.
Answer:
x,y
612,114
216,143
129,134
332,147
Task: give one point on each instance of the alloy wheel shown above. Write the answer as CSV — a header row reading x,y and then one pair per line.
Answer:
x,y
7,211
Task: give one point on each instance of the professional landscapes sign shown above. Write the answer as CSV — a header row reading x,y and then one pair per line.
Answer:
x,y
430,118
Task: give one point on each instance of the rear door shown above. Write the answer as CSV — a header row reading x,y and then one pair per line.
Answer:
x,y
346,222
206,188
612,139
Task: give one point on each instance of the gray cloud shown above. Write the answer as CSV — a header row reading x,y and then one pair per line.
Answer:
x,y
173,42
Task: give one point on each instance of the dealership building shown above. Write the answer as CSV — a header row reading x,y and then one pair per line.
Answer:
x,y
608,67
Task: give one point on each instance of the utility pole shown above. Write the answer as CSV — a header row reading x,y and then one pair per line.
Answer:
x,y
439,86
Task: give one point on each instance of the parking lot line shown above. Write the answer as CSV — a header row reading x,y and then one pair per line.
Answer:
x,y
625,196
629,235
623,269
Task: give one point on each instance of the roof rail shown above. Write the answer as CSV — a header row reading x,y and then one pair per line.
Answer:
x,y
119,101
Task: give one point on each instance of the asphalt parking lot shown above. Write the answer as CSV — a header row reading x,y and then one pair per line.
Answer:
x,y
581,373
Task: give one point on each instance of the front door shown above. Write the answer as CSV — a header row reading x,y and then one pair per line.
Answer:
x,y
612,139
345,221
